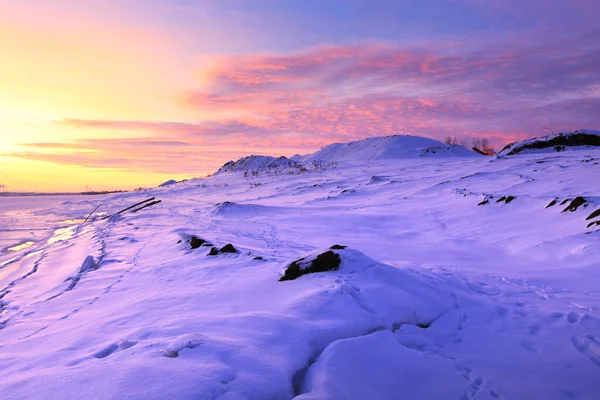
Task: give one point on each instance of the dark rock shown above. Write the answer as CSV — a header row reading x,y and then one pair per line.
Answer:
x,y
558,142
196,242
594,214
423,325
259,258
593,223
553,202
503,198
326,261
179,241
337,247
483,202
565,201
574,205
509,199
228,248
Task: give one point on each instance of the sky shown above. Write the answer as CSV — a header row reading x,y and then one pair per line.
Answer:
x,y
130,93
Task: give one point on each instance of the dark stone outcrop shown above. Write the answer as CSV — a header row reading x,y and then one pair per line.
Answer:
x,y
594,214
228,248
575,204
553,202
196,242
558,142
565,201
483,202
337,247
505,199
258,258
326,261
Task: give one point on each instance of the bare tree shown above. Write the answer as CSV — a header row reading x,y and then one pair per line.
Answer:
x,y
451,140
485,144
543,127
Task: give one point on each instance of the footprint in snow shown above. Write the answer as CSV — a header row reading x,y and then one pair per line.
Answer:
x,y
589,346
114,348
573,317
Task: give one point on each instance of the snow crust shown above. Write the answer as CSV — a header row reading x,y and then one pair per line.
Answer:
x,y
435,297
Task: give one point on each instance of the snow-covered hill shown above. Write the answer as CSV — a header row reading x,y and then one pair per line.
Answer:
x,y
420,278
258,163
386,147
577,140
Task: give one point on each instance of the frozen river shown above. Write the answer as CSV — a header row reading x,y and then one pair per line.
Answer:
x,y
26,220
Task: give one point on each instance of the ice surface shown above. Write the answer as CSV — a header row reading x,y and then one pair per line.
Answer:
x,y
435,297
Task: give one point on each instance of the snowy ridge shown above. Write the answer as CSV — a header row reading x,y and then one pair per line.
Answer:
x,y
576,140
257,163
386,147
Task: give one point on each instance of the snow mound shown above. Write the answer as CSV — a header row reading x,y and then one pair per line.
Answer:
x,y
237,209
168,183
576,140
88,264
387,147
256,163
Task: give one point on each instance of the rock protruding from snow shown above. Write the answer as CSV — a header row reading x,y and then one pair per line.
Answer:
x,y
576,140
326,261
257,163
228,248
575,204
387,147
196,242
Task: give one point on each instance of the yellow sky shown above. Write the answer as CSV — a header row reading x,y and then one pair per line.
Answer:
x,y
56,64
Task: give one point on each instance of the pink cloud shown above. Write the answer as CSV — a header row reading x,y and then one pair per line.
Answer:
x,y
298,102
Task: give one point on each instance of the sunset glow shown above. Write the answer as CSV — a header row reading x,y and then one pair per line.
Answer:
x,y
126,94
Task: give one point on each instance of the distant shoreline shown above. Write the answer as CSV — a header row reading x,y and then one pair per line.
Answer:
x,y
29,194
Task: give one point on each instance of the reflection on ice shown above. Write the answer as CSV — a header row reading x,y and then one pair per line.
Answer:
x,y
62,234
21,246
